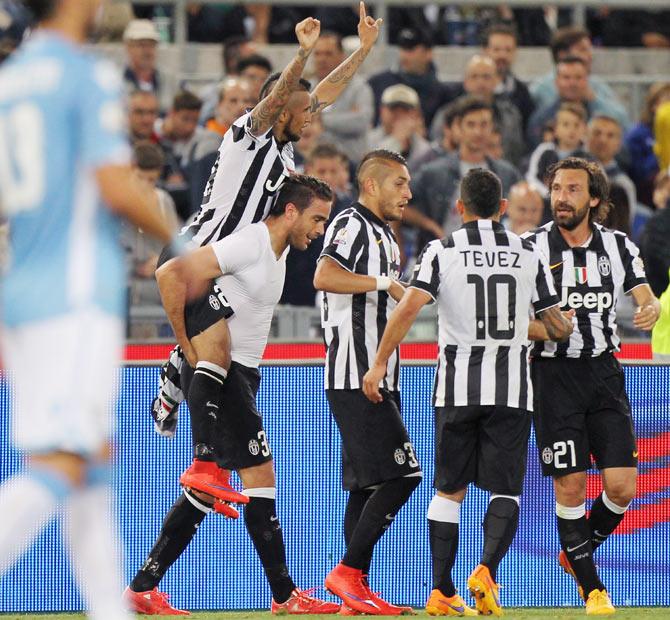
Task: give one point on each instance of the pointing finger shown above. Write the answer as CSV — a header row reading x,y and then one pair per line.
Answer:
x,y
361,11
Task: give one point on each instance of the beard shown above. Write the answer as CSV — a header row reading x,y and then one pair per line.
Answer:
x,y
566,220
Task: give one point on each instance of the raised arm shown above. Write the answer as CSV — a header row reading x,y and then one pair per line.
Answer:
x,y
398,325
266,112
329,89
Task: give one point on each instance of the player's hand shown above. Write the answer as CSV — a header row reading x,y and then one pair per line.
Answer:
x,y
308,31
371,383
646,316
368,27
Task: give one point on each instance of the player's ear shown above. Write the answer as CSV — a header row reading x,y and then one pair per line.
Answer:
x,y
291,212
370,186
503,207
460,207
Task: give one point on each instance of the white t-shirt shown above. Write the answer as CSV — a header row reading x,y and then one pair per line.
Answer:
x,y
252,283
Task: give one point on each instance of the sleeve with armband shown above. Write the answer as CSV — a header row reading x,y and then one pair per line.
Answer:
x,y
426,275
344,242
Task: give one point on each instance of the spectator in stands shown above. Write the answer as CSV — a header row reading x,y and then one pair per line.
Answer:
x,y
494,147
572,85
435,186
235,96
655,243
401,125
347,121
639,143
329,164
448,140
141,73
569,135
143,251
142,116
416,70
604,143
480,79
525,208
575,42
500,43
255,69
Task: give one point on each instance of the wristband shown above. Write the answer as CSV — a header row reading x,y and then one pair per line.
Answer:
x,y
383,283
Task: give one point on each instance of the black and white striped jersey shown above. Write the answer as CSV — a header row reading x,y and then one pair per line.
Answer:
x,y
486,281
243,184
588,280
354,324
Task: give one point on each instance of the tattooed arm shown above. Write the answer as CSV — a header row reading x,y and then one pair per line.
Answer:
x,y
266,112
329,89
552,325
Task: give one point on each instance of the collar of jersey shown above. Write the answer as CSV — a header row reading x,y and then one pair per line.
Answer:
x,y
475,224
368,215
557,238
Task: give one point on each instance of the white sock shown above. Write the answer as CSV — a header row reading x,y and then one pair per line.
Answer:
x,y
93,546
27,503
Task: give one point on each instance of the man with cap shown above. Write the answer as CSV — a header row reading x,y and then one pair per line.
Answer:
x,y
400,125
415,69
141,39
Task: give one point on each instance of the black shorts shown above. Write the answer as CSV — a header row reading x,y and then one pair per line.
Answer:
x,y
484,445
582,410
375,444
240,440
204,311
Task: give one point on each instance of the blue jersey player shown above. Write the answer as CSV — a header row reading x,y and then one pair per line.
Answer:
x,y
64,182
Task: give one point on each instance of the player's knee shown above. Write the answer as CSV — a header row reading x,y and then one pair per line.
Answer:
x,y
621,492
570,490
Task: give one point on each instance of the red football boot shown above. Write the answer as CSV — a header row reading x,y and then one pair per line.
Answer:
x,y
300,602
151,603
208,477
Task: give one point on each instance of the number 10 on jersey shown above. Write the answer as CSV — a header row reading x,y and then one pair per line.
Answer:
x,y
486,303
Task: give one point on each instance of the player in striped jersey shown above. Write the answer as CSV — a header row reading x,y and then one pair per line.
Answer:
x,y
256,155
581,407
358,271
485,280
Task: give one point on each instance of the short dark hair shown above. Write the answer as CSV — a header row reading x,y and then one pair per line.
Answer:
x,y
325,151
565,38
300,190
598,183
230,48
572,60
574,108
303,84
148,156
452,112
379,154
470,103
254,60
500,28
481,192
41,9
331,34
186,100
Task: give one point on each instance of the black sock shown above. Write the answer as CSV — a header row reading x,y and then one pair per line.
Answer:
x,y
203,403
179,527
602,522
377,516
500,526
443,548
352,514
575,536
260,518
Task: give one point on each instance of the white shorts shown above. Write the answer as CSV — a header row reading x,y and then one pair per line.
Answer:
x,y
64,372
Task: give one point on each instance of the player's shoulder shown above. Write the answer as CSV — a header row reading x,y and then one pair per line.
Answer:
x,y
535,234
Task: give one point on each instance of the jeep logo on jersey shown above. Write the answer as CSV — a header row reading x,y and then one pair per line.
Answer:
x,y
598,302
254,448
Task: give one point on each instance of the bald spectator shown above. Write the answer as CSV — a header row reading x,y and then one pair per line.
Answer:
x,y
639,142
435,186
142,116
347,121
416,70
401,125
141,73
572,85
235,96
525,208
604,143
255,69
568,42
500,44
480,80
567,141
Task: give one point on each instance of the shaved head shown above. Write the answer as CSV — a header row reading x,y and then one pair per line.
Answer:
x,y
378,165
